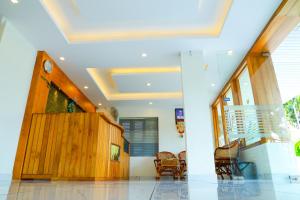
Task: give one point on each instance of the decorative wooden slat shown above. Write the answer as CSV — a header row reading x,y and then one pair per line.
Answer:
x,y
74,147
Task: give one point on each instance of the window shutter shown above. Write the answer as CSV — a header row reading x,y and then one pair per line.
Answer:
x,y
142,133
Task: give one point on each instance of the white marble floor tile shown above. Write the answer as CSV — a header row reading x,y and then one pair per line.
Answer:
x,y
149,190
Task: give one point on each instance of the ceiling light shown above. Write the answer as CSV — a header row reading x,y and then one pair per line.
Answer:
x,y
150,103
213,85
99,104
229,53
61,58
148,84
86,87
14,1
144,55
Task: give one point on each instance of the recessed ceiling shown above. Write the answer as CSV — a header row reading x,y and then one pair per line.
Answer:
x,y
243,23
157,82
96,20
138,83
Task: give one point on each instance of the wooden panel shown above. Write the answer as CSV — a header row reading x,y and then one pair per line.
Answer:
x,y
74,147
103,151
36,103
263,80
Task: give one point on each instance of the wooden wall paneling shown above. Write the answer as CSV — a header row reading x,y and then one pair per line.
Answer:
x,y
44,146
48,160
89,148
64,147
103,150
95,129
29,146
68,148
61,121
34,144
37,101
74,146
84,143
263,79
79,164
39,145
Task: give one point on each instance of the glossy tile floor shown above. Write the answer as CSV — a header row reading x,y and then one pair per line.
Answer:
x,y
149,189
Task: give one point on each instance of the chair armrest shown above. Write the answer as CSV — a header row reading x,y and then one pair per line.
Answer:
x,y
182,162
157,162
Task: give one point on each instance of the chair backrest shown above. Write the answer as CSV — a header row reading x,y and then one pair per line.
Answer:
x,y
182,155
164,155
230,151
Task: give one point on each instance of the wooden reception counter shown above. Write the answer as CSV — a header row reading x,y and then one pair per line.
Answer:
x,y
75,146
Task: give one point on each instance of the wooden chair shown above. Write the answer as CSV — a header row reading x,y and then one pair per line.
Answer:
x,y
166,164
182,162
226,159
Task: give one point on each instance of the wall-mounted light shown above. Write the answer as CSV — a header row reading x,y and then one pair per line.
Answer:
x,y
62,58
99,104
86,87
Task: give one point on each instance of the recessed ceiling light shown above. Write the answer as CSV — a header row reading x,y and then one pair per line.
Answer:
x,y
62,58
150,103
213,85
14,1
148,84
86,87
230,52
144,55
99,104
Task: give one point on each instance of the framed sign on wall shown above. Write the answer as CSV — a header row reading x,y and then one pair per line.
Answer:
x,y
179,119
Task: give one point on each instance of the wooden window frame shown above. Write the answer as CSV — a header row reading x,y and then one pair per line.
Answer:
x,y
279,26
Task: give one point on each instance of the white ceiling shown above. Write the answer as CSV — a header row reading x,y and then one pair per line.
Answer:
x,y
243,24
162,82
94,20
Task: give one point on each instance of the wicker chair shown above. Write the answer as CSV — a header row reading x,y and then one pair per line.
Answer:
x,y
182,162
166,164
226,159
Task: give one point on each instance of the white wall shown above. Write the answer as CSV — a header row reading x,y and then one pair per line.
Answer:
x,y
17,58
169,139
273,160
198,122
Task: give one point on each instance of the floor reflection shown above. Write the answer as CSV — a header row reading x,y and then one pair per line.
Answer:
x,y
150,189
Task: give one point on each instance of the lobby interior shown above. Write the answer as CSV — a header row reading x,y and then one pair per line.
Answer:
x,y
139,99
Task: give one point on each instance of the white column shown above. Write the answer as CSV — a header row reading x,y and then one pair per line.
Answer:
x,y
198,119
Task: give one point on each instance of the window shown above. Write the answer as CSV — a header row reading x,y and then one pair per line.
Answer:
x,y
229,98
142,133
220,124
246,88
250,122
